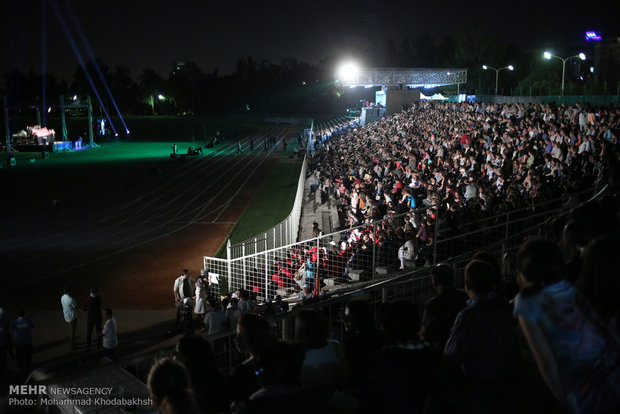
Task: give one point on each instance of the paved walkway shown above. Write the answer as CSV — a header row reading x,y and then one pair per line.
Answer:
x,y
312,210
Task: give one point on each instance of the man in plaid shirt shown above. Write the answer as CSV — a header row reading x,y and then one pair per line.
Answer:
x,y
483,342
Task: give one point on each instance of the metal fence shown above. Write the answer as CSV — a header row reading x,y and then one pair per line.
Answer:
x,y
287,230
364,252
413,285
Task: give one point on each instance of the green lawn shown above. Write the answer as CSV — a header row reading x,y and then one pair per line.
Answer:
x,y
272,203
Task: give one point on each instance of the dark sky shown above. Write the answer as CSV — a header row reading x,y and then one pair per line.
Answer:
x,y
155,33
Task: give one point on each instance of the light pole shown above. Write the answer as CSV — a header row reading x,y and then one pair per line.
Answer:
x,y
509,67
152,101
548,56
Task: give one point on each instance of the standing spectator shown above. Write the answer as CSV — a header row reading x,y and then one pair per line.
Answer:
x,y
182,289
22,338
109,334
92,306
69,310
5,340
440,311
187,316
202,288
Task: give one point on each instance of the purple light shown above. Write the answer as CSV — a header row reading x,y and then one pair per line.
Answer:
x,y
593,36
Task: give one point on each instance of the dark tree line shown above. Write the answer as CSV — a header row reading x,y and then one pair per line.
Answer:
x,y
290,86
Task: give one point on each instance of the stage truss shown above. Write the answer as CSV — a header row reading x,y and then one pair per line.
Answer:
x,y
415,78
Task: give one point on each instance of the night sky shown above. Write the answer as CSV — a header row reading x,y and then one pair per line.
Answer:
x,y
155,33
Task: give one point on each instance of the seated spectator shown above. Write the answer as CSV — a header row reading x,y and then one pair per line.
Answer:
x,y
232,314
280,392
253,336
324,366
215,318
570,348
246,302
482,341
170,388
208,383
440,311
575,239
406,252
306,294
403,373
362,341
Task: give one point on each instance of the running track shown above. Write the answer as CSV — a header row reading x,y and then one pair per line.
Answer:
x,y
134,251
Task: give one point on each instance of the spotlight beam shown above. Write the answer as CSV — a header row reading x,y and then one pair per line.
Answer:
x,y
43,62
89,50
65,28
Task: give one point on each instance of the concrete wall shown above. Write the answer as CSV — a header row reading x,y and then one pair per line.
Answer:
x,y
370,115
396,100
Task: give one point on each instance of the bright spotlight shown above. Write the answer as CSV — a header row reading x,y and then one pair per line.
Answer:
x,y
116,134
74,97
348,71
582,56
485,67
49,109
547,55
510,67
127,131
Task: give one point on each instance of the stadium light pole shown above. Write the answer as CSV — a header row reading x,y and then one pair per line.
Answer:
x,y
548,56
509,67
348,71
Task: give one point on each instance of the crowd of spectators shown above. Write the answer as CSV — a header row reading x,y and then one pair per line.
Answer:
x,y
536,331
463,162
467,351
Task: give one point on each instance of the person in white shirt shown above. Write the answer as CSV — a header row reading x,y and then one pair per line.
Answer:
x,y
69,310
109,333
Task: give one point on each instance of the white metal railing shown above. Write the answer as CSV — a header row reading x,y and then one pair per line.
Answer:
x,y
359,253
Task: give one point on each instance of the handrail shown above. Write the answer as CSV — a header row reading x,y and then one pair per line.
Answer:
x,y
521,209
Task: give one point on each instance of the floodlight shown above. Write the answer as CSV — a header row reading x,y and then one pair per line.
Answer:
x,y
582,56
348,71
547,55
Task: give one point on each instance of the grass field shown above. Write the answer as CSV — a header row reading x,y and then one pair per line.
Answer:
x,y
273,201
